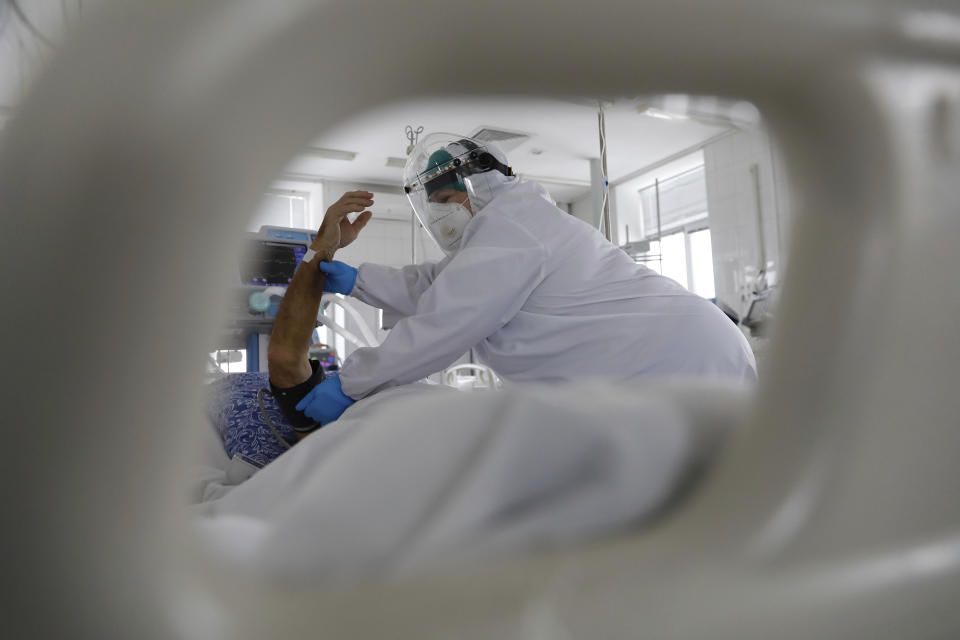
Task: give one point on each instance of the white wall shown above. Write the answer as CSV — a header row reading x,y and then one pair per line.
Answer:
x,y
586,209
732,206
732,201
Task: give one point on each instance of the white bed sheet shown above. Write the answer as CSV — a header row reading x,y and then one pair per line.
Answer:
x,y
419,476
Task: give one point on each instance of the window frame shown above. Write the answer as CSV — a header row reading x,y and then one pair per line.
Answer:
x,y
687,226
290,195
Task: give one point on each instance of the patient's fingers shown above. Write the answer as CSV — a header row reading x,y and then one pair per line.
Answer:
x,y
356,197
350,230
357,194
362,220
350,202
355,202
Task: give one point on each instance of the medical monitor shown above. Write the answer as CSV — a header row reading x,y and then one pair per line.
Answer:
x,y
287,233
270,262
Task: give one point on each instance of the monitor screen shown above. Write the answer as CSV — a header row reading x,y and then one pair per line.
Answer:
x,y
271,263
287,234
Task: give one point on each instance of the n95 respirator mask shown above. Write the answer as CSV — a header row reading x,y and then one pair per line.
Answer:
x,y
447,221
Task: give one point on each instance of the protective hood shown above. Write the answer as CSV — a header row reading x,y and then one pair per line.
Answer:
x,y
450,178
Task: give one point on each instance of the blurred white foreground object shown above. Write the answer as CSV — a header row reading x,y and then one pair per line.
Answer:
x,y
833,513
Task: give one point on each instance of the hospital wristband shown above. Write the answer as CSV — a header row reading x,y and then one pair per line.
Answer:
x,y
308,256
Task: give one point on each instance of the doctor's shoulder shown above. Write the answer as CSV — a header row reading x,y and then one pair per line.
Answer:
x,y
527,210
505,232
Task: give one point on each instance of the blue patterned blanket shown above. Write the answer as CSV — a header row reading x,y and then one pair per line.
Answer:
x,y
234,411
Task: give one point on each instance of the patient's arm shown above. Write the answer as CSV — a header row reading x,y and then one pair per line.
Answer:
x,y
290,341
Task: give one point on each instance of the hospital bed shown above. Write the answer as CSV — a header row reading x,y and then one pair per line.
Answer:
x,y
423,478
831,511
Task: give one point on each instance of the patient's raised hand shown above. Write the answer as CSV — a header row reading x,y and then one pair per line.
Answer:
x,y
337,231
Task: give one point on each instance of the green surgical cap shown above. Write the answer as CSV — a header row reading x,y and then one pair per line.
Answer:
x,y
438,158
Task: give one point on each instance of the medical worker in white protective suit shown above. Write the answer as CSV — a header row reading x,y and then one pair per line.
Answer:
x,y
537,293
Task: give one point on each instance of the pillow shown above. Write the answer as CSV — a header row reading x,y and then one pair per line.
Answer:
x,y
236,415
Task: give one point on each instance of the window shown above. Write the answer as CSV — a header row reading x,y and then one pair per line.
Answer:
x,y
340,317
321,335
701,263
674,220
282,209
230,360
673,249
673,203
684,256
329,337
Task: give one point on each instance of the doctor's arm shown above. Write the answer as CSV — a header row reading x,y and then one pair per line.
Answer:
x,y
478,292
395,290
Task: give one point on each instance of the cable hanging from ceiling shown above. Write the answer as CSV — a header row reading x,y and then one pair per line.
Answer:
x,y
18,10
5,12
604,225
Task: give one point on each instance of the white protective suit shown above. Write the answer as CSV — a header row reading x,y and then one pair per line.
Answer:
x,y
541,296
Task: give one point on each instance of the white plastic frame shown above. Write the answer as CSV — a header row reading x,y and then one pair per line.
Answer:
x,y
833,513
368,338
485,374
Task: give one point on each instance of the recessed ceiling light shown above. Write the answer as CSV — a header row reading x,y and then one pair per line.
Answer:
x,y
506,140
653,112
329,154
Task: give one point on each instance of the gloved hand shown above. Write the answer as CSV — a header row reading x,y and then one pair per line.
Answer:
x,y
340,277
326,401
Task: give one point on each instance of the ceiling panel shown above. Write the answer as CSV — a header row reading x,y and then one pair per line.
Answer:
x,y
564,136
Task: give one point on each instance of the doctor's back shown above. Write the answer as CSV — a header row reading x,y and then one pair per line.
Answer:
x,y
593,310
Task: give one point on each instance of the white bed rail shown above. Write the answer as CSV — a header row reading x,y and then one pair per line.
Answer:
x,y
482,374
368,339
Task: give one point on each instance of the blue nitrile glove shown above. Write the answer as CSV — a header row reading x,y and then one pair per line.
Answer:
x,y
340,277
326,401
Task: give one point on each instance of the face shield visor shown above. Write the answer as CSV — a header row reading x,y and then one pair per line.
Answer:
x,y
448,179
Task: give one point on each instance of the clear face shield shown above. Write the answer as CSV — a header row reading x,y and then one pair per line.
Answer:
x,y
448,179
